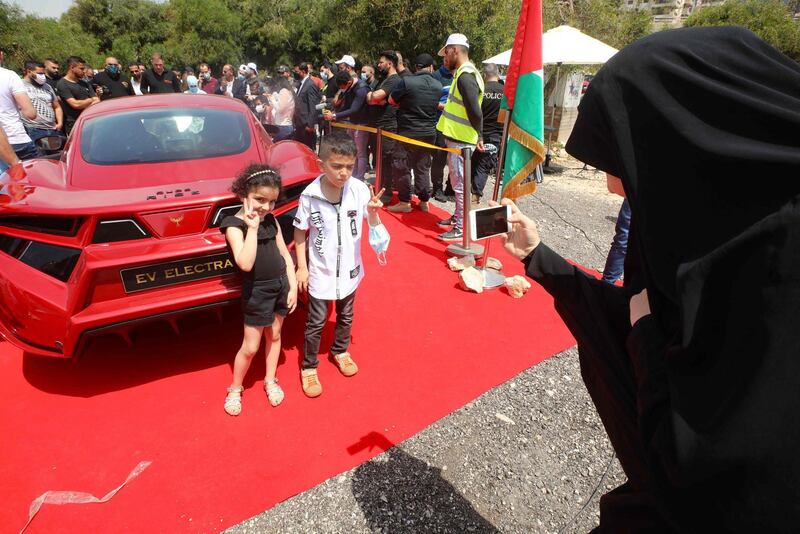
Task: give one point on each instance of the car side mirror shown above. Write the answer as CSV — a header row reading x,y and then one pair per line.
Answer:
x,y
50,143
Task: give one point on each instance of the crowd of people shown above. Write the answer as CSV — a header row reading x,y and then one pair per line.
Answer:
x,y
299,102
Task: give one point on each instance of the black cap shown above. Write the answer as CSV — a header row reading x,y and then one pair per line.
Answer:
x,y
283,68
424,60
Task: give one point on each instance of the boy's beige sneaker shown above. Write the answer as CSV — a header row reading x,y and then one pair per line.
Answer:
x,y
423,205
311,386
346,364
401,207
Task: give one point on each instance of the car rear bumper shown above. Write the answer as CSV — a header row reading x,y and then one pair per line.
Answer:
x,y
45,317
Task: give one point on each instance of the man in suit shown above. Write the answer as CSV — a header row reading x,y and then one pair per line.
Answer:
x,y
305,112
232,86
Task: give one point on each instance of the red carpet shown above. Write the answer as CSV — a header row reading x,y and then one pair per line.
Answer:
x,y
424,347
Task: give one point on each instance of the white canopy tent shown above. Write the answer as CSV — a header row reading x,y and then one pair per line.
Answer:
x,y
566,45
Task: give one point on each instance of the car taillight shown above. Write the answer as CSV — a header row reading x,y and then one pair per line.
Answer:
x,y
53,260
118,230
67,226
223,212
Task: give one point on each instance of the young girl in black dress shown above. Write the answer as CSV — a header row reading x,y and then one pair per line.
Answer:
x,y
269,287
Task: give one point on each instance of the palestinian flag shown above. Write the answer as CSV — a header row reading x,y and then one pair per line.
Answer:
x,y
524,99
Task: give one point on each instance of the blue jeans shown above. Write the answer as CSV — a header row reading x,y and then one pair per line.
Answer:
x,y
361,139
615,263
27,150
37,133
283,133
455,171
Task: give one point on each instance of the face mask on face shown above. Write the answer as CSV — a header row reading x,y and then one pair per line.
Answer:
x,y
112,69
379,241
259,108
39,78
206,76
364,76
324,76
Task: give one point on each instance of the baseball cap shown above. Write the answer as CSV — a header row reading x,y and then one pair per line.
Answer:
x,y
424,60
347,60
252,66
283,68
242,69
455,39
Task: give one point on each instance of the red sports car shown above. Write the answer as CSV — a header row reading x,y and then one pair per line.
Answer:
x,y
123,227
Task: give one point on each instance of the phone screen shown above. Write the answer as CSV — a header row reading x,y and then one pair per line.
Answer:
x,y
491,221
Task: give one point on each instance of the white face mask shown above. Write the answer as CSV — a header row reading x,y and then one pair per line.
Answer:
x,y
259,109
40,78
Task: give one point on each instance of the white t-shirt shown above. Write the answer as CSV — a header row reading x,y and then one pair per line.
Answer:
x,y
334,270
10,85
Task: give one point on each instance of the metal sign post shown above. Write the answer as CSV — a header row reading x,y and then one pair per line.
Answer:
x,y
491,277
465,248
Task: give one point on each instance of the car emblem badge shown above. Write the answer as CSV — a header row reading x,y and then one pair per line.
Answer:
x,y
177,220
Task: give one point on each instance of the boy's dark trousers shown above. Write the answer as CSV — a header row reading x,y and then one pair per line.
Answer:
x,y
317,316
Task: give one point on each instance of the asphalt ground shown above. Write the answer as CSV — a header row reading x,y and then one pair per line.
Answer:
x,y
528,456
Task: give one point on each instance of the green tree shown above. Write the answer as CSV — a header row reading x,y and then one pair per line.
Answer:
x,y
202,30
605,20
123,28
769,19
24,37
416,26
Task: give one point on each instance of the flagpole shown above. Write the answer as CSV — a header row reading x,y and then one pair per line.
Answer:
x,y
491,277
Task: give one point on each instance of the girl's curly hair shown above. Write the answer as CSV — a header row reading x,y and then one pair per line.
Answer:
x,y
255,175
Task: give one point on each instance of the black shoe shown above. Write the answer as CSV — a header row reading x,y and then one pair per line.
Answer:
x,y
454,234
438,196
447,222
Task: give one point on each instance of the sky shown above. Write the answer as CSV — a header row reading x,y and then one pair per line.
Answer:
x,y
46,8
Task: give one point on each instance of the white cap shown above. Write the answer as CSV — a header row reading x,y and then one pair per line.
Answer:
x,y
252,66
191,81
242,69
347,60
455,39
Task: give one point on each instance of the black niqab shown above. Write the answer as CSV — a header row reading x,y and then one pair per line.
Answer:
x,y
703,127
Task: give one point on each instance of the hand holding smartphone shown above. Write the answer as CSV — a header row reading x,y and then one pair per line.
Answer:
x,y
488,222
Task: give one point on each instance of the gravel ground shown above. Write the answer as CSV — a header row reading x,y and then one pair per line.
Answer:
x,y
525,456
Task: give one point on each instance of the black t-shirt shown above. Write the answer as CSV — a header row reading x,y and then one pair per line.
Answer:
x,y
269,263
492,96
79,91
385,116
166,82
119,87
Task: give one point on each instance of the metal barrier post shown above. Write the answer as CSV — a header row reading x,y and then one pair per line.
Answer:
x,y
378,158
491,277
466,248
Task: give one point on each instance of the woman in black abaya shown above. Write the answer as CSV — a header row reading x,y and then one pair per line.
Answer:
x,y
701,396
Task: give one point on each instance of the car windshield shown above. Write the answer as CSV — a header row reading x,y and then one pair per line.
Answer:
x,y
159,135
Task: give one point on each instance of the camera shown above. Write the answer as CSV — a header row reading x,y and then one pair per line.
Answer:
x,y
322,106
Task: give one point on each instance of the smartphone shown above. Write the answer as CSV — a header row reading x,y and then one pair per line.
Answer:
x,y
488,222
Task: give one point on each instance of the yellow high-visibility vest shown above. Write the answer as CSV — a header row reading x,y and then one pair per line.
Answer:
x,y
454,122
